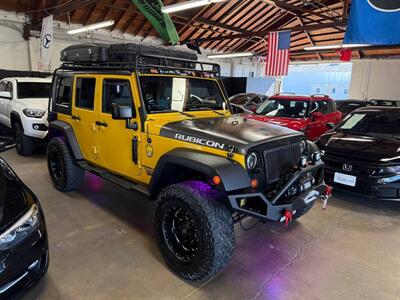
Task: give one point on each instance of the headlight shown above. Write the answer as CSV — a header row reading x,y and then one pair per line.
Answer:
x,y
252,161
391,170
34,113
21,229
303,146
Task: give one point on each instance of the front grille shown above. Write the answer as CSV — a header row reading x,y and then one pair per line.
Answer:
x,y
336,163
279,158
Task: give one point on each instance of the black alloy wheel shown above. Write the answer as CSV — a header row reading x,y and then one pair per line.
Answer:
x,y
180,233
194,229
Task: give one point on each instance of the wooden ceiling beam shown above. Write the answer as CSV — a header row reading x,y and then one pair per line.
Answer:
x,y
265,32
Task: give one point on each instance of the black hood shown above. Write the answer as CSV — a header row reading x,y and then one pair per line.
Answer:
x,y
226,133
373,149
14,199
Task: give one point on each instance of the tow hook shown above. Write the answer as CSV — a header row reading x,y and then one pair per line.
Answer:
x,y
287,216
325,197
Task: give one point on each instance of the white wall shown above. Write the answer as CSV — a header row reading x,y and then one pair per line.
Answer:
x,y
375,79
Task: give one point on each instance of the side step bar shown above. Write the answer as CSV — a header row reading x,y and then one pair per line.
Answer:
x,y
118,180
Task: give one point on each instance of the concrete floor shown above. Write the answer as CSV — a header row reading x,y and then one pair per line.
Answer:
x,y
102,247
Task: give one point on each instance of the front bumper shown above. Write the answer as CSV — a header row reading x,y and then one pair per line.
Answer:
x,y
272,209
30,124
367,186
22,266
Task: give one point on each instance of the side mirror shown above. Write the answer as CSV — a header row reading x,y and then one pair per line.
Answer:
x,y
5,95
330,125
124,112
316,115
121,112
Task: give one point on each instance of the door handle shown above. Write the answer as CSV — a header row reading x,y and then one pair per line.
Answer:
x,y
103,124
76,117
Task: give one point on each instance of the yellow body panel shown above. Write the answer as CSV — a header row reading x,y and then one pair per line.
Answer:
x,y
111,147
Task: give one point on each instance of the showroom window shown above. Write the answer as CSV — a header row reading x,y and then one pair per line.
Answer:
x,y
63,96
116,91
85,89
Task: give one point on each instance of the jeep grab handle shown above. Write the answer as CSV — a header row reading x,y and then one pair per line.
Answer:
x,y
103,124
76,117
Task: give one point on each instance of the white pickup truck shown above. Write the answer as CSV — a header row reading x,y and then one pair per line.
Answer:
x,y
23,108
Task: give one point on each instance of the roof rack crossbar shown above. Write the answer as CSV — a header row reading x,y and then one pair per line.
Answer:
x,y
140,63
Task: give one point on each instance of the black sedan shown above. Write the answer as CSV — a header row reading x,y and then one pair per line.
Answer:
x,y
23,236
362,154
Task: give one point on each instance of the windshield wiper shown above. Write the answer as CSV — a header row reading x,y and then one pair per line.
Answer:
x,y
211,109
173,111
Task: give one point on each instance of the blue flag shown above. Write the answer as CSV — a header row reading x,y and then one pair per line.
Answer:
x,y
374,22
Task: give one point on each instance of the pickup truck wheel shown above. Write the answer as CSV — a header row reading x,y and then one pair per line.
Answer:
x,y
301,212
194,230
65,174
23,143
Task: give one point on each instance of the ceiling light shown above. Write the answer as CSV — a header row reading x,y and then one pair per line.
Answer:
x,y
340,46
92,27
231,55
187,5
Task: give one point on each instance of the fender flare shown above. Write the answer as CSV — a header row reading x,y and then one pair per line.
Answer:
x,y
233,175
68,132
16,115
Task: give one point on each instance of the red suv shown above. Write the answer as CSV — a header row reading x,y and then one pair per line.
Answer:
x,y
313,115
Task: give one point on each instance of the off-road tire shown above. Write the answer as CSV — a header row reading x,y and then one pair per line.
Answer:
x,y
23,143
65,174
301,212
214,224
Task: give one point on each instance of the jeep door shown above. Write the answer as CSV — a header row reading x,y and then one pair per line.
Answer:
x,y
118,145
84,114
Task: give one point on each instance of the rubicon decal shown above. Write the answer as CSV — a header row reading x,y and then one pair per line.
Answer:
x,y
196,140
385,5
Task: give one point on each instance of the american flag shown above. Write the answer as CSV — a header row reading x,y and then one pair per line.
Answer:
x,y
278,53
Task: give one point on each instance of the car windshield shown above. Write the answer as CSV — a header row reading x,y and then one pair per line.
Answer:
x,y
376,124
284,108
33,90
168,94
241,99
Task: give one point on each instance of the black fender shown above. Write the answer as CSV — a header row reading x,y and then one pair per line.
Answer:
x,y
233,175
68,132
15,115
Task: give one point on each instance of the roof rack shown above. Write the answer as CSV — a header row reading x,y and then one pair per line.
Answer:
x,y
320,95
146,63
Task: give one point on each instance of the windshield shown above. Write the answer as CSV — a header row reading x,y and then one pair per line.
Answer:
x,y
241,99
381,124
33,90
284,108
167,93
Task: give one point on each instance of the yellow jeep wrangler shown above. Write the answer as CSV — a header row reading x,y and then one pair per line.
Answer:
x,y
154,121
